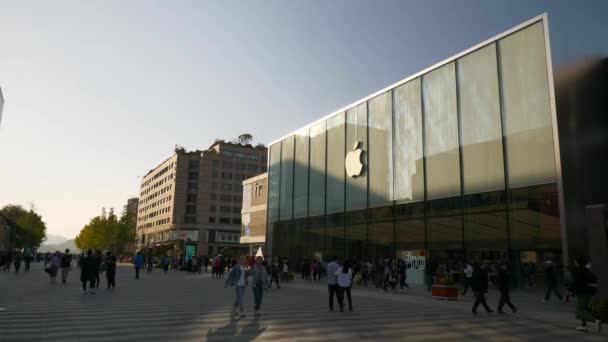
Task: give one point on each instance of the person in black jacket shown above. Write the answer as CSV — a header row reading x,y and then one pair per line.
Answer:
x,y
479,284
503,282
110,270
98,267
551,281
88,272
585,286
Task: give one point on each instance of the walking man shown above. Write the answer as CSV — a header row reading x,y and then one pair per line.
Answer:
x,y
66,264
479,284
585,286
165,262
551,281
332,281
98,267
138,261
111,270
260,283
274,273
503,282
17,263
468,276
88,270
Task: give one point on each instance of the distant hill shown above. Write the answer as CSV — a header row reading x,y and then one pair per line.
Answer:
x,y
54,239
60,247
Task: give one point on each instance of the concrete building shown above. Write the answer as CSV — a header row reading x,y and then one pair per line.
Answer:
x,y
253,212
196,197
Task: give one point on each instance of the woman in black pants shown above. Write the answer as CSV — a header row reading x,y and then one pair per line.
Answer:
x,y
345,282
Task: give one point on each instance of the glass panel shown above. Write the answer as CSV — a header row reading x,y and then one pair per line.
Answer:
x,y
410,247
381,237
286,198
441,133
313,238
317,170
334,235
356,141
300,195
481,130
534,218
527,112
274,173
409,174
380,150
444,225
485,225
335,163
534,227
356,233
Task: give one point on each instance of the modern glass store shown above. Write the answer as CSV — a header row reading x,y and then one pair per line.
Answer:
x,y
455,162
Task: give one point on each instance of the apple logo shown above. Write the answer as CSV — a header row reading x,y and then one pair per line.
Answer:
x,y
353,161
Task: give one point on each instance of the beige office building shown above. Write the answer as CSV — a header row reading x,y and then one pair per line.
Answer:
x,y
253,213
196,196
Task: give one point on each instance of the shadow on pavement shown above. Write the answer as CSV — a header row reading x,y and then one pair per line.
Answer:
x,y
246,333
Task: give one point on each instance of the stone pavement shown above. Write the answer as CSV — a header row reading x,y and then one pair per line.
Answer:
x,y
184,307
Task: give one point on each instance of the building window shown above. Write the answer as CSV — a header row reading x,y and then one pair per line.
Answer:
x,y
240,166
215,174
225,220
190,209
211,219
192,187
236,221
227,175
226,187
214,186
216,163
252,167
226,198
192,175
236,210
212,208
227,165
191,198
213,196
193,164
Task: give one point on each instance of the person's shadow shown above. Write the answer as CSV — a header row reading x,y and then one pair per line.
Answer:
x,y
247,333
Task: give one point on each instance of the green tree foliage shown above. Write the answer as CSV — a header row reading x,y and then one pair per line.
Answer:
x,y
30,231
107,231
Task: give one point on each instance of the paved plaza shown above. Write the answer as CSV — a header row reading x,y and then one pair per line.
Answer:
x,y
185,307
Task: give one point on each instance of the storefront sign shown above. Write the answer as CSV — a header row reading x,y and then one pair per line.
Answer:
x,y
414,261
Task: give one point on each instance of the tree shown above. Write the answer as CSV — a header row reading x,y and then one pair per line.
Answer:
x,y
107,231
30,228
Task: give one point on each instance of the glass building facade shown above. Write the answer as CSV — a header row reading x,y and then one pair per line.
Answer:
x,y
458,162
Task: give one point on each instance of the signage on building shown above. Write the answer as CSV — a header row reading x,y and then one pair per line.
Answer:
x,y
353,163
413,260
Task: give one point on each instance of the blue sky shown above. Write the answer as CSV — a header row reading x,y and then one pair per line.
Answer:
x,y
97,93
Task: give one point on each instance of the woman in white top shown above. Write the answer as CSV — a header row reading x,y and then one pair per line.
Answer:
x,y
345,282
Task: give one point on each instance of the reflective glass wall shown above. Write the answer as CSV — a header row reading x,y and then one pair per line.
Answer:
x,y
456,163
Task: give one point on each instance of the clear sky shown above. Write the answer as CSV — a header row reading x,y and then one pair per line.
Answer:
x,y
99,92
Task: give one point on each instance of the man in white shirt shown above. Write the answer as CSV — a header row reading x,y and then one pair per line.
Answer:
x,y
468,272
332,281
